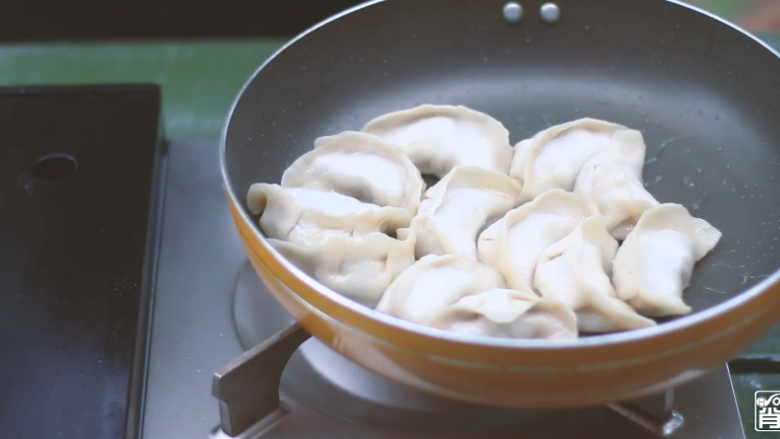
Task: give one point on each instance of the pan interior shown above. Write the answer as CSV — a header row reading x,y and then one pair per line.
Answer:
x,y
705,96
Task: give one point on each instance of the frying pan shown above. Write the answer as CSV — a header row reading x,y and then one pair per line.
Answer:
x,y
705,94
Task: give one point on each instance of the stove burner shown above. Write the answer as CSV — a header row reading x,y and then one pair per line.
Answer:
x,y
328,382
317,377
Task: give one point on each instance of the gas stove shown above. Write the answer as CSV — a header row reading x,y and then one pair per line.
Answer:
x,y
213,355
211,310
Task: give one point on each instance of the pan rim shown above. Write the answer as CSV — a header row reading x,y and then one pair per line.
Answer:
x,y
636,335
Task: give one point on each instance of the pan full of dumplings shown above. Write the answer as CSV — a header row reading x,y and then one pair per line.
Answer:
x,y
513,221
553,239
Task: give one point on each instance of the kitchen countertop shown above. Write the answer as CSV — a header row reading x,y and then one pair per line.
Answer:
x,y
199,81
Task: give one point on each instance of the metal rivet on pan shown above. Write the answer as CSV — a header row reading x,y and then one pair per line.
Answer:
x,y
513,12
550,12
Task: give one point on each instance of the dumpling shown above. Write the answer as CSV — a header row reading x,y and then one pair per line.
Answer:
x,y
455,209
361,166
553,157
508,314
434,283
576,270
360,268
513,243
613,179
306,216
656,260
440,137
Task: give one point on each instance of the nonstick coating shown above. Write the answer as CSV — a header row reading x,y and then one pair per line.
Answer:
x,y
704,94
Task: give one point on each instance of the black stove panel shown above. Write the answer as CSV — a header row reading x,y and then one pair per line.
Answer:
x,y
79,180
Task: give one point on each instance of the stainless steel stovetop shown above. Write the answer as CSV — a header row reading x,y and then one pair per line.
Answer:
x,y
209,307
